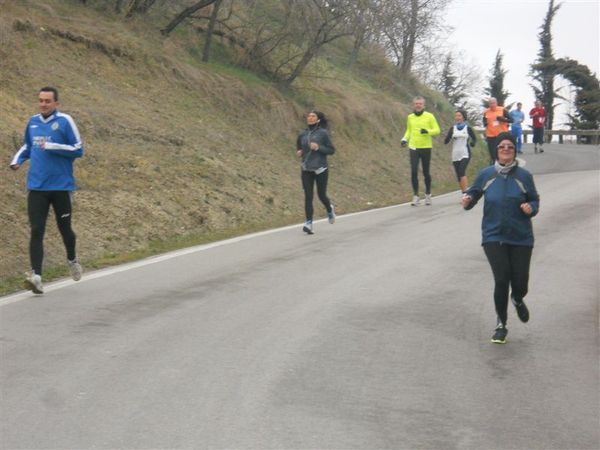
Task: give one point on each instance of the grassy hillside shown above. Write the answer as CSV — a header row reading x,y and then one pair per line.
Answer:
x,y
180,152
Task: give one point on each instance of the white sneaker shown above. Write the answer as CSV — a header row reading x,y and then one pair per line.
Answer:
x,y
76,269
428,199
331,215
416,201
33,282
308,227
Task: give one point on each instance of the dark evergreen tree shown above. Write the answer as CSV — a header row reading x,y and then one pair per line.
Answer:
x,y
542,70
449,83
587,93
496,88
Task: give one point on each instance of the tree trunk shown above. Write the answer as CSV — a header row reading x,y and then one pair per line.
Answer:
x,y
409,47
133,6
306,58
185,14
210,30
358,43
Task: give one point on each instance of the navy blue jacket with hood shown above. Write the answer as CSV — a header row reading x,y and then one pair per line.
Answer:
x,y
503,220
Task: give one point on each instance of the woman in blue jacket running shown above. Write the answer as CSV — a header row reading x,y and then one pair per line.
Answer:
x,y
511,200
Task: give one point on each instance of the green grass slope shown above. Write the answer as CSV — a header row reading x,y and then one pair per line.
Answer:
x,y
178,152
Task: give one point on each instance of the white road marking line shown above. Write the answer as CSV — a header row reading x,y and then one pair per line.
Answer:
x,y
55,285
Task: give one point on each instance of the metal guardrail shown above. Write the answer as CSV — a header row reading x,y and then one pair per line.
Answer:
x,y
581,136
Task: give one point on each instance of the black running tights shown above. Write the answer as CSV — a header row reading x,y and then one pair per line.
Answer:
x,y
423,154
493,152
38,207
510,266
308,182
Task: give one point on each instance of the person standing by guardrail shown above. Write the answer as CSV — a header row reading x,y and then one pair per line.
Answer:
x,y
511,200
516,127
312,147
495,121
538,116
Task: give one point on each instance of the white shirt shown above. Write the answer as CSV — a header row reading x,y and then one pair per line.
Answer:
x,y
460,142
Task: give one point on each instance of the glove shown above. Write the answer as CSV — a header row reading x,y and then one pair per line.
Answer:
x,y
403,143
424,131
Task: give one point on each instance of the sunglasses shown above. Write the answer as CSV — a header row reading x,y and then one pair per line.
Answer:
x,y
509,147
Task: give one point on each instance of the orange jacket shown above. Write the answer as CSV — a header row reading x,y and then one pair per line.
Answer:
x,y
493,126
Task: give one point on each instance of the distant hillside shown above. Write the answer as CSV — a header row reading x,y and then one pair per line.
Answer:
x,y
179,152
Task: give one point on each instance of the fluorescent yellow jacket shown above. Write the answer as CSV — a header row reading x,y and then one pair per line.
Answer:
x,y
414,124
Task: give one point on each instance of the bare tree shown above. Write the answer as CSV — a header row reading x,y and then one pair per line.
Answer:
x,y
184,14
136,7
363,14
323,22
279,38
405,25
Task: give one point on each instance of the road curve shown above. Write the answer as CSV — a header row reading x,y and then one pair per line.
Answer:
x,y
373,333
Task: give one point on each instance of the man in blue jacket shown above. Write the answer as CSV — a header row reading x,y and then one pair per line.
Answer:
x,y
52,143
516,127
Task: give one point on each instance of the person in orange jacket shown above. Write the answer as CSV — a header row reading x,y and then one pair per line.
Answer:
x,y
495,120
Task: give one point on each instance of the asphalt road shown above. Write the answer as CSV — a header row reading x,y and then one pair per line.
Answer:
x,y
373,333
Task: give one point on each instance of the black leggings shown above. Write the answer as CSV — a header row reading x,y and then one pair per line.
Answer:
x,y
510,266
538,136
38,206
424,154
308,182
491,144
460,167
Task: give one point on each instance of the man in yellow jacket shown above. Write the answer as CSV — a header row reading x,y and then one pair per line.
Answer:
x,y
421,126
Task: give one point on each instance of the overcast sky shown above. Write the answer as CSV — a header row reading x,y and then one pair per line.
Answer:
x,y
481,27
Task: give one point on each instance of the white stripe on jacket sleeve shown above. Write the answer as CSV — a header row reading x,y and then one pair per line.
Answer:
x,y
55,146
16,157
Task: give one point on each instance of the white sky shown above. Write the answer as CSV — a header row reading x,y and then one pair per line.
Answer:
x,y
481,27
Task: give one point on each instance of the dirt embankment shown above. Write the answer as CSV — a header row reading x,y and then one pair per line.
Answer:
x,y
174,148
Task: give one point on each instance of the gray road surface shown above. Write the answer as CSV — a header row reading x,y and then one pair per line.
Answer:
x,y
373,333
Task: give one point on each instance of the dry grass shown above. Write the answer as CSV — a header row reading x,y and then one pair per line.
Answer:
x,y
178,152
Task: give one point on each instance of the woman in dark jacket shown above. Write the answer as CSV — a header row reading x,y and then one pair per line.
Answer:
x,y
312,147
511,200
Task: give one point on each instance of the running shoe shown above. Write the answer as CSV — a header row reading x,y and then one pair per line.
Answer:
x,y
331,215
428,199
416,201
521,308
308,227
541,150
500,333
76,269
33,282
